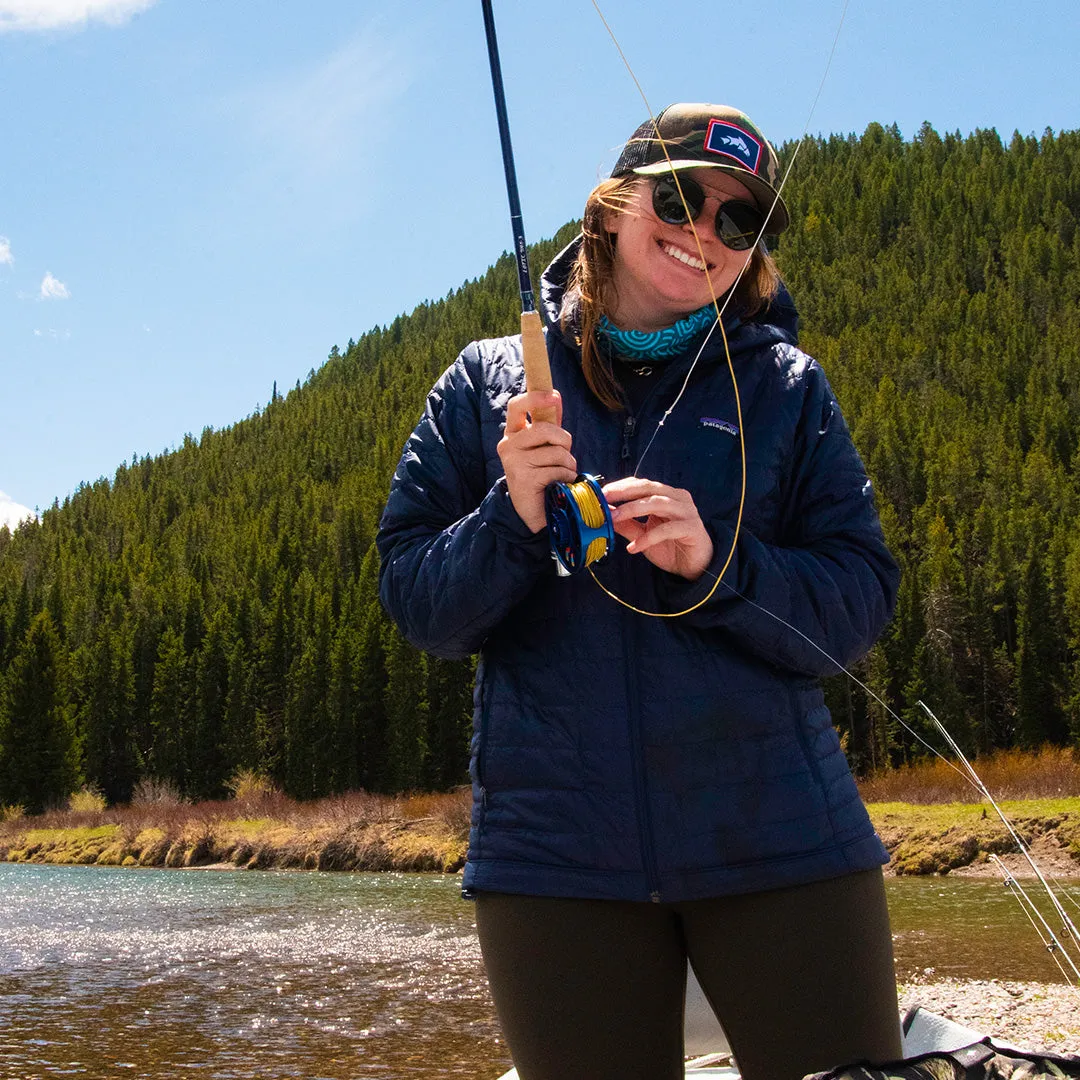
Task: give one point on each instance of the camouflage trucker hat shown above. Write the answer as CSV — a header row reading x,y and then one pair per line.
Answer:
x,y
709,136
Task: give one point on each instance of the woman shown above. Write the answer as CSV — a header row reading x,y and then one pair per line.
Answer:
x,y
652,790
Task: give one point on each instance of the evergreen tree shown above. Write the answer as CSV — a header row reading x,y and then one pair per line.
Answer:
x,y
933,278
208,765
39,754
240,736
1039,717
406,713
372,721
111,759
344,710
170,712
449,722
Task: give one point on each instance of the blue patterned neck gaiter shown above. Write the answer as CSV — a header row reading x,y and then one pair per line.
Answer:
x,y
657,344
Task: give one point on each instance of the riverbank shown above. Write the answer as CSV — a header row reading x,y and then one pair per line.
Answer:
x,y
963,837
1035,1016
348,832
430,832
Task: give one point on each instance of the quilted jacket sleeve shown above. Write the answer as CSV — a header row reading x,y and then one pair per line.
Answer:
x,y
454,555
831,578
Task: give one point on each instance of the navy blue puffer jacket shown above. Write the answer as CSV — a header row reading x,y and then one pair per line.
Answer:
x,y
627,757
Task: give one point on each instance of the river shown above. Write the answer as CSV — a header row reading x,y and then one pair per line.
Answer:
x,y
238,975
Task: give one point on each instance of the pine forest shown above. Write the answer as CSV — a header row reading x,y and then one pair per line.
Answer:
x,y
214,608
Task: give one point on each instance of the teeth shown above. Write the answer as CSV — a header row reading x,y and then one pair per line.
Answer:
x,y
689,260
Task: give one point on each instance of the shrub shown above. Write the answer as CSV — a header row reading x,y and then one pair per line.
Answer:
x,y
87,800
1049,772
452,809
14,812
153,791
249,785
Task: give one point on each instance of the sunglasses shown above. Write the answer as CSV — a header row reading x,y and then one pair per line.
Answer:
x,y
738,223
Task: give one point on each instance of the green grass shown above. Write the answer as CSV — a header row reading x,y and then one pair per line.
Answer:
x,y
81,835
956,812
934,839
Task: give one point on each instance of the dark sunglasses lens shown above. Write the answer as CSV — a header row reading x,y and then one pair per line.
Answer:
x,y
668,203
738,225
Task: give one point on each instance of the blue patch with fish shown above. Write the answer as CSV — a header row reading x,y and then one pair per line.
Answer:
x,y
733,142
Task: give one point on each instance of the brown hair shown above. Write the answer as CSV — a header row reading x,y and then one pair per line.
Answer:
x,y
590,290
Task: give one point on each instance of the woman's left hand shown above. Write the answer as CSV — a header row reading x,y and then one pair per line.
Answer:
x,y
671,536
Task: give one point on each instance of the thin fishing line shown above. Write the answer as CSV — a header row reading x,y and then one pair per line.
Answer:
x,y
1050,943
758,238
1045,932
973,779
968,773
855,679
717,308
1067,923
1035,917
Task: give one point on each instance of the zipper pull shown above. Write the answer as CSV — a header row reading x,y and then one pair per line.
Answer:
x,y
629,424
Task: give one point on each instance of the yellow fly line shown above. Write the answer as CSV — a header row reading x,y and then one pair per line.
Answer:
x,y
719,320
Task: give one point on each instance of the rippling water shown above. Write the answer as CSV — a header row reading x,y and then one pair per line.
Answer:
x,y
157,973
237,974
966,928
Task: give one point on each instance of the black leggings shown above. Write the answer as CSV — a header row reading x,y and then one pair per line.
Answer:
x,y
801,979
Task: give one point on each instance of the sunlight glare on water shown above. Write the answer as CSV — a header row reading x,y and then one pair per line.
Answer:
x,y
237,974
240,975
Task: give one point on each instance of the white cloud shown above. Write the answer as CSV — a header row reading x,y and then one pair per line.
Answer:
x,y
6,258
51,289
56,14
314,116
11,513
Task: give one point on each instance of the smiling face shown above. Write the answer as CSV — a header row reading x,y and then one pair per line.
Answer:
x,y
658,273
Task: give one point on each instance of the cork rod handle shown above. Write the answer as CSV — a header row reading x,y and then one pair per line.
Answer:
x,y
535,356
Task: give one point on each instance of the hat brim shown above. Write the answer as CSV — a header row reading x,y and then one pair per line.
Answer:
x,y
766,197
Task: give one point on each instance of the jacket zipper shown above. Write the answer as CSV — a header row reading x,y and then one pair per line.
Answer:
x,y
633,720
641,791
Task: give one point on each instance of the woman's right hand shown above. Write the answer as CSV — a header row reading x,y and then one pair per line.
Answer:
x,y
535,455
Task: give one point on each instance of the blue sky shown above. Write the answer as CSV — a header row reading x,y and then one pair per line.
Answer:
x,y
198,199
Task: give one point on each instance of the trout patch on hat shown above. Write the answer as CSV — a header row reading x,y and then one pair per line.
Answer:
x,y
731,141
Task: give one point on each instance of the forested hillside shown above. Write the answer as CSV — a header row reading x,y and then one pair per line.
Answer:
x,y
214,608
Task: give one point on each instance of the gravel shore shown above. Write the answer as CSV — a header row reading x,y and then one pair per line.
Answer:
x,y
1035,1016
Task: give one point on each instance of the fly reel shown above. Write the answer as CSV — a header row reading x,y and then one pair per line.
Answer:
x,y
579,524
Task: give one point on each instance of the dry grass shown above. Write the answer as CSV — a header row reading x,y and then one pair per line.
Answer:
x,y
927,814
1050,772
262,829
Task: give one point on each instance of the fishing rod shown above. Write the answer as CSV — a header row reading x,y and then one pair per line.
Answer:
x,y
581,536
579,519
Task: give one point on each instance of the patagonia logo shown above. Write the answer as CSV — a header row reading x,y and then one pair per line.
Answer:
x,y
719,425
730,141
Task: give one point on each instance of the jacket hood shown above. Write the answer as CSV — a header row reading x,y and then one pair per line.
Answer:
x,y
778,323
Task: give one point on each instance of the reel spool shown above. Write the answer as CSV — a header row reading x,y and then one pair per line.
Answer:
x,y
579,524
